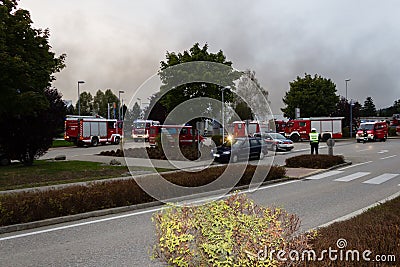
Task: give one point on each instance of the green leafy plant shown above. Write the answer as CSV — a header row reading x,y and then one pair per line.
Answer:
x,y
228,232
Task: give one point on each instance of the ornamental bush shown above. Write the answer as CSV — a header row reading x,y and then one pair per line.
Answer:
x,y
231,232
314,161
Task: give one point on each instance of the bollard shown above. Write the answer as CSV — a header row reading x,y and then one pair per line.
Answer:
x,y
331,143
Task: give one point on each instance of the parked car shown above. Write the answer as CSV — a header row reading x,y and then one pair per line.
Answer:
x,y
276,141
240,149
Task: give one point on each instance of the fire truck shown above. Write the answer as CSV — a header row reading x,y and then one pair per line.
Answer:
x,y
185,135
395,123
328,127
248,128
92,130
141,128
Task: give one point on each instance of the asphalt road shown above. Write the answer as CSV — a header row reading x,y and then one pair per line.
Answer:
x,y
127,238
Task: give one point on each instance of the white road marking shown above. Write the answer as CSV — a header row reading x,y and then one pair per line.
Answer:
x,y
389,157
352,177
363,150
354,165
383,151
323,175
381,178
81,224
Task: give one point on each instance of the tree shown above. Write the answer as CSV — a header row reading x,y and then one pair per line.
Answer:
x,y
171,77
315,96
86,104
246,86
29,110
134,113
343,110
369,109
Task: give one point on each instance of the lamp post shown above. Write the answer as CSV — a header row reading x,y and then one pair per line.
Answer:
x,y
351,118
223,109
119,103
79,98
347,80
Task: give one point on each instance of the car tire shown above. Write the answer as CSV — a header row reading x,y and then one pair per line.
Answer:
x,y
358,141
4,161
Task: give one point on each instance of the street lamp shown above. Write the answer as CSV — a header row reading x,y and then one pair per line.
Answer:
x,y
79,98
351,118
347,80
223,107
119,103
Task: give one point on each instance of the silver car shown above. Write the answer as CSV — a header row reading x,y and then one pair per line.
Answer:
x,y
276,141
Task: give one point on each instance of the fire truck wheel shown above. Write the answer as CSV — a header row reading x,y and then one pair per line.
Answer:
x,y
4,161
95,141
262,155
235,158
116,141
295,137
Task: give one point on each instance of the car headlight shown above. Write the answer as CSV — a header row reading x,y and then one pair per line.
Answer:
x,y
226,152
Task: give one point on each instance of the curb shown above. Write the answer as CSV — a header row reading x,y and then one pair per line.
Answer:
x,y
98,213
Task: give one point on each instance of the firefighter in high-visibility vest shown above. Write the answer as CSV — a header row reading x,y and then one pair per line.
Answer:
x,y
314,141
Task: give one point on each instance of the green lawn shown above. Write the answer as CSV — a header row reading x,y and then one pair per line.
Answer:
x,y
43,173
61,143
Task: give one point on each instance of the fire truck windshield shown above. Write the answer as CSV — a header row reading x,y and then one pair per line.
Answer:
x,y
139,125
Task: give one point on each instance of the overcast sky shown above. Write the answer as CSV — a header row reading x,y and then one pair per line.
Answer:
x,y
119,44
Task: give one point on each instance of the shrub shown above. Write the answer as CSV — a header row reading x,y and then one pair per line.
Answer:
x,y
314,161
392,131
38,205
227,232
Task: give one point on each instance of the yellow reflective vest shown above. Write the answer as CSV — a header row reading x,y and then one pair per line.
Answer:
x,y
314,137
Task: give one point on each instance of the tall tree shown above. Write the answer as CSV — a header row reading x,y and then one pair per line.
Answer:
x,y
26,72
246,86
369,109
86,104
343,110
315,96
134,113
171,77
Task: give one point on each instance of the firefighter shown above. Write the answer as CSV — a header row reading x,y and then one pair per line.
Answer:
x,y
314,141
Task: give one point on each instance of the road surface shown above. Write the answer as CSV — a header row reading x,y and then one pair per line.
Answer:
x,y
126,239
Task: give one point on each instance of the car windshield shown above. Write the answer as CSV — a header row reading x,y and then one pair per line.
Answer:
x,y
234,143
277,136
364,126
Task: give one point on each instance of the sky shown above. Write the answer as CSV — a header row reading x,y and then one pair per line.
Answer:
x,y
119,44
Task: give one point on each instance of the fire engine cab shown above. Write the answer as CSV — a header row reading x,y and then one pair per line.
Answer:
x,y
92,130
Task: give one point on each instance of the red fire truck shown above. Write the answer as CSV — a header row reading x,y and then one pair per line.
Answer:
x,y
395,123
92,130
248,128
328,127
185,134
141,128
